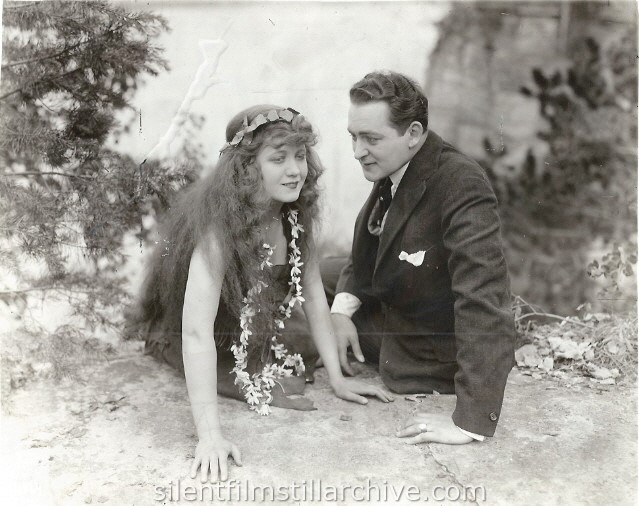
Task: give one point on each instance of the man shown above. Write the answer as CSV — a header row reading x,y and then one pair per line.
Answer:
x,y
425,291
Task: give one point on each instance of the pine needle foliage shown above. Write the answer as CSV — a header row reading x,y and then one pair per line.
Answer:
x,y
67,197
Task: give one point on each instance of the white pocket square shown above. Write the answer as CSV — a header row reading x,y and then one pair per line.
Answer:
x,y
414,258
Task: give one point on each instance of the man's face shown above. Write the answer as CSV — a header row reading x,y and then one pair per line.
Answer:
x,y
378,147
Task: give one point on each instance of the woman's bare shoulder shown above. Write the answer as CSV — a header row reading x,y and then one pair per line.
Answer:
x,y
211,252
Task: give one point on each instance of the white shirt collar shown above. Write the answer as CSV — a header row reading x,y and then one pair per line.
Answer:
x,y
396,177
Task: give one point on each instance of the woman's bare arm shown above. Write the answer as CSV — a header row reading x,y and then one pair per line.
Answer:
x,y
201,301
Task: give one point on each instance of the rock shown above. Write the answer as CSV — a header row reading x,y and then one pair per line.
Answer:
x,y
345,418
414,397
565,348
602,373
527,356
547,364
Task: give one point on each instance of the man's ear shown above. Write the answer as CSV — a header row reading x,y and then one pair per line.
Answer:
x,y
415,131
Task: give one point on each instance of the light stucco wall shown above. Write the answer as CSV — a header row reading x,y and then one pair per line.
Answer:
x,y
300,54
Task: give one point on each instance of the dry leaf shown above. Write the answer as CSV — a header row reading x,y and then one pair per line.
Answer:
x,y
564,348
547,364
602,373
527,356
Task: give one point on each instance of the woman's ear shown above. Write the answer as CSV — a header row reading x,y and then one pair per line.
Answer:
x,y
415,131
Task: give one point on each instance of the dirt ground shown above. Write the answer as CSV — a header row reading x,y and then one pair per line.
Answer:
x,y
121,433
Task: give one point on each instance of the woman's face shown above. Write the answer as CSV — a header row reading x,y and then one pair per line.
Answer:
x,y
284,171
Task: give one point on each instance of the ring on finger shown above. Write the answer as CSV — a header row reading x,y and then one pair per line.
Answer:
x,y
422,427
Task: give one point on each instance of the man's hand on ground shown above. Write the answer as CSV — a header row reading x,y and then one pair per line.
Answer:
x,y
431,428
346,334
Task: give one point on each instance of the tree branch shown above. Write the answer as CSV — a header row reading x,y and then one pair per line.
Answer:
x,y
48,173
47,57
548,315
43,289
18,7
35,81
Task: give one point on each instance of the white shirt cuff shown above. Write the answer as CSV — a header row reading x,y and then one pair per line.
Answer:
x,y
477,437
346,304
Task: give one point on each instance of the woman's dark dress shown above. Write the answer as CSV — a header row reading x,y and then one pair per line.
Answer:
x,y
295,336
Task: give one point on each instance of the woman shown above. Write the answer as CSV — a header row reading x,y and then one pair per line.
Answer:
x,y
237,257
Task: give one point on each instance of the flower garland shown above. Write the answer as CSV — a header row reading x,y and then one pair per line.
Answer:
x,y
257,388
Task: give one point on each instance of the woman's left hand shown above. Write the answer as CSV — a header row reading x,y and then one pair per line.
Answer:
x,y
353,390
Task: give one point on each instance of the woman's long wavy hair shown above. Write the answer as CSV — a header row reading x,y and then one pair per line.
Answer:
x,y
228,203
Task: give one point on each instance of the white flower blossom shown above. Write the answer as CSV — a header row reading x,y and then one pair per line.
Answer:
x,y
253,396
264,410
257,389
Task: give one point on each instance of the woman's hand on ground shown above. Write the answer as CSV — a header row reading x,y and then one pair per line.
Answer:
x,y
213,453
353,390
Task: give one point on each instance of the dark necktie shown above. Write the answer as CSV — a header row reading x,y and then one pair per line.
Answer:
x,y
385,198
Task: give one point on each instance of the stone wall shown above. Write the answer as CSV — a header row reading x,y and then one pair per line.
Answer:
x,y
485,53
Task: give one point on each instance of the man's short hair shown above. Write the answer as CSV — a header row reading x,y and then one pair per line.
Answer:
x,y
403,95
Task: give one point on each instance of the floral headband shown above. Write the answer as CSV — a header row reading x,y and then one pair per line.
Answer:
x,y
246,133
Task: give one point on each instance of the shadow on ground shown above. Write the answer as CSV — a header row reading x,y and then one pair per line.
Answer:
x,y
124,435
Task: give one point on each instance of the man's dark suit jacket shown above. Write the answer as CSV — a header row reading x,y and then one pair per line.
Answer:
x,y
455,306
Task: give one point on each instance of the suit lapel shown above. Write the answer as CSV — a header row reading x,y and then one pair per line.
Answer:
x,y
410,191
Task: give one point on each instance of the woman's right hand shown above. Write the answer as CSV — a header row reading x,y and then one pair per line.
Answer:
x,y
213,453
